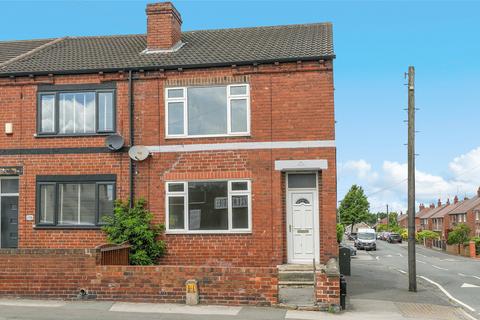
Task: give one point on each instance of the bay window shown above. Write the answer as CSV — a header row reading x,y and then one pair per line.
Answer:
x,y
208,206
68,201
76,110
207,111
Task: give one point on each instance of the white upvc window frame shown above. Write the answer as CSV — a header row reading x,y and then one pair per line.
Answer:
x,y
230,194
229,96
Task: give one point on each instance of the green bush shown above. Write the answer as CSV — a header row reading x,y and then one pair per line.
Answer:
x,y
459,234
381,228
134,225
340,232
476,240
426,235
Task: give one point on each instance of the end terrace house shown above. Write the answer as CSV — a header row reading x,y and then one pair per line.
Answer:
x,y
238,124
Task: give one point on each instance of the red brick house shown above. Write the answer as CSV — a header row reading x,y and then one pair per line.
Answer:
x,y
238,124
467,213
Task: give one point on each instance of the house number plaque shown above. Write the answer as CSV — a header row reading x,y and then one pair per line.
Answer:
x,y
11,171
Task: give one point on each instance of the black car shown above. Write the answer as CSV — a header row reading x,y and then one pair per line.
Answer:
x,y
394,238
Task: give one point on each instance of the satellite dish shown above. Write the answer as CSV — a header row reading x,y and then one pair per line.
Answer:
x,y
114,142
138,153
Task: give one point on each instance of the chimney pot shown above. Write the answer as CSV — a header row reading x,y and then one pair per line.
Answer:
x,y
421,207
448,201
478,192
455,200
164,26
439,204
432,205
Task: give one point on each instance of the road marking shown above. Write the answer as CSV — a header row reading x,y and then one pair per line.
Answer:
x,y
468,285
448,294
440,268
401,271
377,257
388,256
466,275
468,315
422,255
419,261
174,308
400,255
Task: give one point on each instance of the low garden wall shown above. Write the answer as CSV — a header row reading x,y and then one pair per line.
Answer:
x,y
75,273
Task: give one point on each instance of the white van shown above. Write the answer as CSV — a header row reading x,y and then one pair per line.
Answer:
x,y
366,239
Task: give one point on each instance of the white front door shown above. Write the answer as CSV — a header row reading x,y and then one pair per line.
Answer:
x,y
301,220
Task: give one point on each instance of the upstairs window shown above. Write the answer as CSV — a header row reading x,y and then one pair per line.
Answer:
x,y
207,111
76,110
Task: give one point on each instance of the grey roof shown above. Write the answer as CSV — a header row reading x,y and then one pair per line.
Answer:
x,y
201,48
431,212
467,205
446,210
12,49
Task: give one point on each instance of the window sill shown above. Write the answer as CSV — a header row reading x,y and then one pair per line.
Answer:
x,y
102,134
47,227
203,232
242,135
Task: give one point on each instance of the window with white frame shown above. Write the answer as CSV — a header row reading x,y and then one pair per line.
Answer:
x,y
208,206
207,111
477,215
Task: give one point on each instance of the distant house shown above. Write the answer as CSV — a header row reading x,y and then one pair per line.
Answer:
x,y
441,219
402,219
361,225
469,213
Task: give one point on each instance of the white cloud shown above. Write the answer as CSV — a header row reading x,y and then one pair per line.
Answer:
x,y
388,184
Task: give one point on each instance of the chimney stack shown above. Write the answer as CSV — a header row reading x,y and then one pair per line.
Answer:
x,y
432,205
164,27
439,204
478,192
455,200
421,207
448,202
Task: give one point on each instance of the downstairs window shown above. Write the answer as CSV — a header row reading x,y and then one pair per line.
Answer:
x,y
208,206
69,201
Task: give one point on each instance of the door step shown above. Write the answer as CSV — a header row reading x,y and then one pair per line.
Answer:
x,y
295,275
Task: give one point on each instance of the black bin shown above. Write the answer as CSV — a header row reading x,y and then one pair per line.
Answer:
x,y
343,292
344,260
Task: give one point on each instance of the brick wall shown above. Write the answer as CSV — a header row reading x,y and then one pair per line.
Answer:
x,y
62,273
327,289
311,117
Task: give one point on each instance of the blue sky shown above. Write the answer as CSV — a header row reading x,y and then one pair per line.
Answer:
x,y
375,42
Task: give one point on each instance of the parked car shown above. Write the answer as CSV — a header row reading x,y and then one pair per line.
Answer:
x,y
366,239
394,238
385,235
353,251
352,236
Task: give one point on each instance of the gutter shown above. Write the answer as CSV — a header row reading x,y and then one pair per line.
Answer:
x,y
131,166
171,67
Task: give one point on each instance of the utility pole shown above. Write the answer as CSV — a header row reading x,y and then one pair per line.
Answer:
x,y
388,219
412,268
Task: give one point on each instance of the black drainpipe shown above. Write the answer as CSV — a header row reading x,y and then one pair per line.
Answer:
x,y
132,137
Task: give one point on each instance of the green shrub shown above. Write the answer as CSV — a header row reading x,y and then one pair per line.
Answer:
x,y
340,232
459,234
134,225
426,235
381,228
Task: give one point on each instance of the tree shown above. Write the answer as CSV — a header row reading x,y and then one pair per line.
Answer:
x,y
354,207
459,234
340,232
